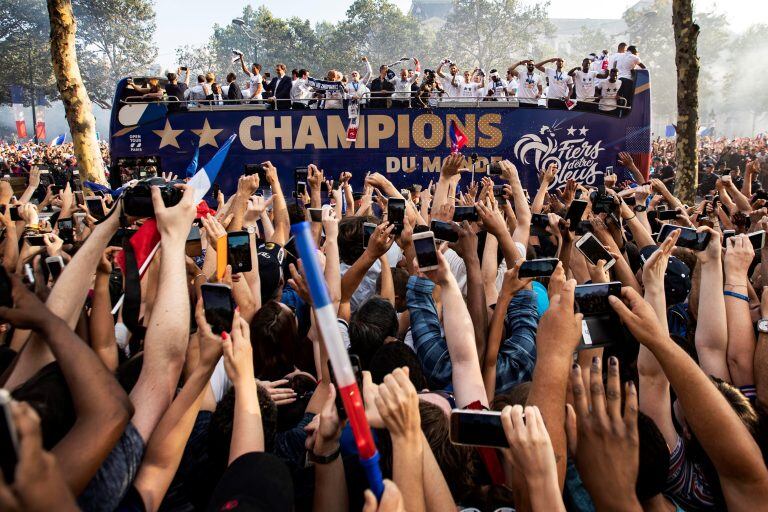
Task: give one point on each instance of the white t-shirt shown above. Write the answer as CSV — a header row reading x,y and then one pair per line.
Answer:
x,y
512,86
584,84
255,81
498,88
300,90
453,91
625,63
609,93
528,88
558,83
403,87
356,90
471,90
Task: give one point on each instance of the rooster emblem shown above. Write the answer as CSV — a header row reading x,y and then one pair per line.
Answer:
x,y
542,145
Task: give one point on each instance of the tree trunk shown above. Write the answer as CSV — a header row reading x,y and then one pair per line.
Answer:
x,y
77,104
687,61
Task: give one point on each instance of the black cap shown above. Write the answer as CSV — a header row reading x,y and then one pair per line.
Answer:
x,y
677,280
256,481
271,257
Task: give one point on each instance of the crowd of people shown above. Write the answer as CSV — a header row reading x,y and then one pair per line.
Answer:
x,y
600,82
136,404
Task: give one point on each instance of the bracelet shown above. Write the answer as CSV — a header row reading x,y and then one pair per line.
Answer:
x,y
323,459
199,275
736,295
632,217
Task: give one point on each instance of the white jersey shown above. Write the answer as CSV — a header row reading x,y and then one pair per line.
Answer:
x,y
403,87
625,63
608,94
558,83
453,91
255,80
471,90
357,90
512,87
528,88
300,91
497,89
584,83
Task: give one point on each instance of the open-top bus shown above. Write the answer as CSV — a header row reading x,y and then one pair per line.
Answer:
x,y
407,145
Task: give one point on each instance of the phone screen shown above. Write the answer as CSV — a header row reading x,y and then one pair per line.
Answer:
x,y
539,220
239,251
462,213
592,299
219,307
538,268
55,266
593,249
193,246
15,213
66,230
689,238
396,213
444,231
35,240
9,442
79,197
575,212
315,214
758,239
301,188
95,207
300,174
478,428
494,169
368,229
666,214
426,253
601,325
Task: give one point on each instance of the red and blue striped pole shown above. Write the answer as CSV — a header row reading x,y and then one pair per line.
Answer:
x,y
337,353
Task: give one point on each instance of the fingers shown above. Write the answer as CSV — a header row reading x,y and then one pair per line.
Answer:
x,y
630,409
571,432
613,390
596,389
580,402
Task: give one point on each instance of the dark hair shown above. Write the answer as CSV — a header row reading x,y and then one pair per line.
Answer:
x,y
654,459
371,324
289,415
201,78
303,72
256,65
231,77
622,45
400,278
396,355
171,76
351,239
632,49
274,335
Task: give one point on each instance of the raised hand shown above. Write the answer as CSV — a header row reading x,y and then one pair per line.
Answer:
x,y
53,244
738,257
398,405
279,394
559,329
548,176
391,500
238,353
330,223
509,171
605,442
213,229
639,317
466,246
28,312
656,267
315,177
174,222
381,240
512,283
324,430
451,166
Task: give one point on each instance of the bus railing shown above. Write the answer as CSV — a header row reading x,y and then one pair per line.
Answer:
x,y
432,102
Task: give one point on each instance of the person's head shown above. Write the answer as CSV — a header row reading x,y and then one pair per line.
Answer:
x,y
453,69
478,79
294,74
331,75
613,75
171,77
355,76
585,65
274,334
370,326
396,355
400,278
632,49
210,77
351,238
303,73
201,79
559,63
255,68
622,47
216,88
383,69
404,73
530,66
231,77
510,74
280,69
467,76
153,81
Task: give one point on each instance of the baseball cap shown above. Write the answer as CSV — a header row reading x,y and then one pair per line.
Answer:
x,y
271,257
254,482
677,279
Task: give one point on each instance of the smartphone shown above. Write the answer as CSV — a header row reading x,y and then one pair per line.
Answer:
x,y
368,229
300,174
666,214
538,268
194,246
462,213
540,220
601,325
79,197
396,213
498,192
55,189
35,240
239,251
758,239
9,441
689,238
251,169
444,231
426,252
55,266
183,68
630,200
15,215
728,233
6,299
301,188
576,211
477,428
494,169
219,306
315,214
66,230
593,250
609,170
95,207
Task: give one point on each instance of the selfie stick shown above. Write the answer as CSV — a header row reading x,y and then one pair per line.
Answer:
x,y
342,369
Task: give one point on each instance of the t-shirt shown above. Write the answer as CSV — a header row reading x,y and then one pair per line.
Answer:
x,y
176,90
584,83
625,63
470,90
403,87
255,80
528,88
558,83
498,88
609,93
453,91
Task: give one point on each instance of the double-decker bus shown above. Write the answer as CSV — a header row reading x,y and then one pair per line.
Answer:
x,y
406,145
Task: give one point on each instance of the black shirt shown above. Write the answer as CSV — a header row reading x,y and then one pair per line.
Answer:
x,y
380,86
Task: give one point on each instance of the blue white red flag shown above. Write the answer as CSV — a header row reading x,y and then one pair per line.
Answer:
x,y
458,138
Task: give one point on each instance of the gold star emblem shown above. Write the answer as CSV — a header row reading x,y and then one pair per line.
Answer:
x,y
168,135
208,135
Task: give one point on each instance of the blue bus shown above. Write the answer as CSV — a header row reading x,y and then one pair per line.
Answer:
x,y
406,145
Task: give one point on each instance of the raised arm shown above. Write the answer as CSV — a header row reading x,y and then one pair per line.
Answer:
x,y
522,210
466,248
741,334
34,182
101,323
282,222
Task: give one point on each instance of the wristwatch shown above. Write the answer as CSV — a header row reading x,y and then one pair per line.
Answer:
x,y
762,325
639,208
323,459
251,230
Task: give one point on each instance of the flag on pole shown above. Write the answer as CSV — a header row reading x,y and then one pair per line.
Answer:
x,y
58,141
670,131
17,99
40,114
458,138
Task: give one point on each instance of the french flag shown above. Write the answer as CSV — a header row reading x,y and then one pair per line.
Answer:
x,y
458,138
146,241
58,141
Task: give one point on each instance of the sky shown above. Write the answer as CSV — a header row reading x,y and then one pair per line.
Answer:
x,y
193,24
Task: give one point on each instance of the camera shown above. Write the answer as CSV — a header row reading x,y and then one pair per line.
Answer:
x,y
137,200
602,202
